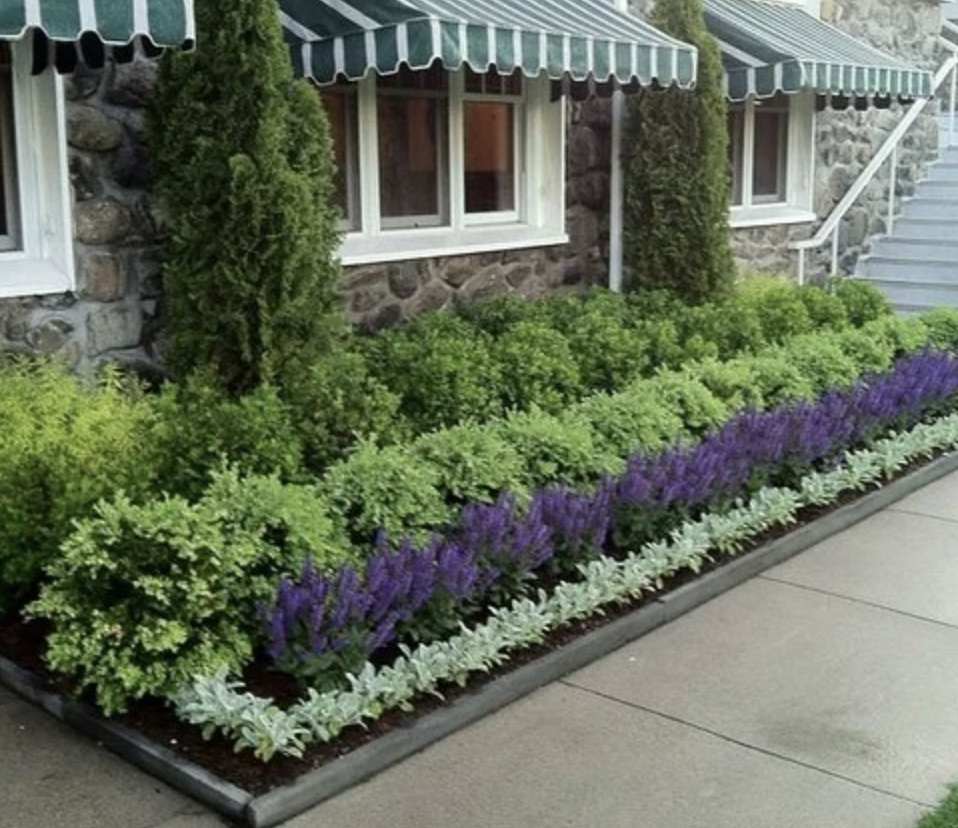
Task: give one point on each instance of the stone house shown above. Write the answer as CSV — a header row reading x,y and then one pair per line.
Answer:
x,y
499,175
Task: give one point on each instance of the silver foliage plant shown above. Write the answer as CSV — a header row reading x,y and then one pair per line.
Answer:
x,y
219,705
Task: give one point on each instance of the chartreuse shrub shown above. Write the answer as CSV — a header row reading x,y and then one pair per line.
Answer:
x,y
942,327
863,301
537,368
244,172
65,443
143,597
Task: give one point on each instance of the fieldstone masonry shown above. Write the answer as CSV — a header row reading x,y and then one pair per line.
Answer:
x,y
116,312
118,242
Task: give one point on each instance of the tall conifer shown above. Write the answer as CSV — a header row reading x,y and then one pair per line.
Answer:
x,y
244,176
676,233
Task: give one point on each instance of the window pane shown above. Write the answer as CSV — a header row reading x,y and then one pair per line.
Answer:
x,y
342,111
771,149
412,152
8,178
736,153
490,157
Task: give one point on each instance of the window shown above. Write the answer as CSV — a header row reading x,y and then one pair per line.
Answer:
x,y
439,163
9,198
771,160
36,251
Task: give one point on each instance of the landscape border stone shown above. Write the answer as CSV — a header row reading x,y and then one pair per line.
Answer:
x,y
323,783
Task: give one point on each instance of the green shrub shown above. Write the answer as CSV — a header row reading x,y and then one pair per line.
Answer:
x,y
691,401
778,305
537,368
821,360
474,463
390,489
863,301
496,315
634,419
64,444
871,354
609,353
144,597
338,401
442,369
825,309
722,331
731,382
900,336
779,380
942,327
200,427
555,450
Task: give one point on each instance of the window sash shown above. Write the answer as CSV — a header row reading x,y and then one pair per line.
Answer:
x,y
365,178
9,192
743,153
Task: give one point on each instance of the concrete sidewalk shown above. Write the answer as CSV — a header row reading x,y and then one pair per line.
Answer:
x,y
823,694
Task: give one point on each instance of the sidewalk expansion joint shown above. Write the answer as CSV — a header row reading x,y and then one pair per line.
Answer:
x,y
746,745
860,601
913,513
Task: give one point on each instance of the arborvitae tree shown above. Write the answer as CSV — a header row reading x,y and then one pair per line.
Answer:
x,y
676,232
244,175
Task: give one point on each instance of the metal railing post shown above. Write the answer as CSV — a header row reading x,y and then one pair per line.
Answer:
x,y
892,188
838,227
954,102
801,266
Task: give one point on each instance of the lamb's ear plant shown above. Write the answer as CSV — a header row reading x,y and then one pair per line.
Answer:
x,y
218,705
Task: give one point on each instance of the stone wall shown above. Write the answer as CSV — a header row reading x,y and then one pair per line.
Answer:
x,y
114,313
381,295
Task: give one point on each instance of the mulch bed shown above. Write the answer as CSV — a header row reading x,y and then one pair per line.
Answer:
x,y
23,642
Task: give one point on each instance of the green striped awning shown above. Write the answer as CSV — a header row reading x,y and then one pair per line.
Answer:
x,y
580,40
62,28
771,47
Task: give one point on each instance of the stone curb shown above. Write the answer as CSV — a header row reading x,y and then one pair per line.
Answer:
x,y
319,785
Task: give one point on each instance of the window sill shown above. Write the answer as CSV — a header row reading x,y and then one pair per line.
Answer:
x,y
402,245
769,216
21,277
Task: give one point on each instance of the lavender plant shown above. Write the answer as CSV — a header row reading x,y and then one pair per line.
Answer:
x,y
324,627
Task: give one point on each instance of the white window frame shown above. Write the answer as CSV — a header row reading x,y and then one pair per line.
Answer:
x,y
42,262
799,174
539,217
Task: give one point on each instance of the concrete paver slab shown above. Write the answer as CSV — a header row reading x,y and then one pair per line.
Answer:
x,y
939,499
563,757
901,561
846,687
51,777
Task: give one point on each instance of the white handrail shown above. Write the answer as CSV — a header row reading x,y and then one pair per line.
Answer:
x,y
889,149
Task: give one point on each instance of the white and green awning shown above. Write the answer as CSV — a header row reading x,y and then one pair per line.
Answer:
x,y
771,47
61,27
580,40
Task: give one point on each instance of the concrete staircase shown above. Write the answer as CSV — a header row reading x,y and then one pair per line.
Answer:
x,y
916,265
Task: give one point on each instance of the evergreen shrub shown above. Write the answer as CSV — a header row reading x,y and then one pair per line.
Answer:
x,y
244,173
144,597
676,233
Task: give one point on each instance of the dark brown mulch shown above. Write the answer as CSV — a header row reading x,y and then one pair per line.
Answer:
x,y
23,643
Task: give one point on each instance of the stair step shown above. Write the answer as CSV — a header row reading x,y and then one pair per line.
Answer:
x,y
943,171
926,228
930,207
935,187
917,295
913,248
910,270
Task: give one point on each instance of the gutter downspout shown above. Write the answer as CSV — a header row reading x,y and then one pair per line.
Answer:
x,y
616,183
